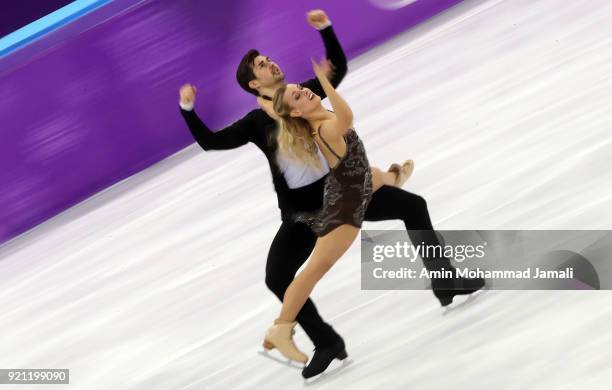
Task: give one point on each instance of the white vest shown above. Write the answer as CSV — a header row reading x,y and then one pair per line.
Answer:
x,y
299,175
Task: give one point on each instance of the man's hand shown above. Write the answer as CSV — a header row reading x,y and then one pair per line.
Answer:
x,y
188,94
266,105
317,18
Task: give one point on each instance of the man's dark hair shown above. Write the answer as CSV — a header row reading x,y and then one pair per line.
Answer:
x,y
244,73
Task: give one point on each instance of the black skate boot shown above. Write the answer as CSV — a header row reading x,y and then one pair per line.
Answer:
x,y
446,289
323,357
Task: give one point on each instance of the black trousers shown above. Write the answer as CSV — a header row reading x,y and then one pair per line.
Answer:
x,y
294,242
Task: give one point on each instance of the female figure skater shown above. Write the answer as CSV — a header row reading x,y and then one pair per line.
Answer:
x,y
305,127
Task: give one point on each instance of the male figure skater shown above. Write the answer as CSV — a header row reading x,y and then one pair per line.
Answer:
x,y
299,189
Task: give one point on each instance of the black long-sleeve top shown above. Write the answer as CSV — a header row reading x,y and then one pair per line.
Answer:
x,y
257,127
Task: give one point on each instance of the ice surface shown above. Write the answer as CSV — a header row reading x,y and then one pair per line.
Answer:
x,y
158,282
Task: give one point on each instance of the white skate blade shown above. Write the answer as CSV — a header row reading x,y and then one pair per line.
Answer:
x,y
468,300
337,367
282,360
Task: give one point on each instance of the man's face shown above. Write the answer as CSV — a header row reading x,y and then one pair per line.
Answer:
x,y
267,72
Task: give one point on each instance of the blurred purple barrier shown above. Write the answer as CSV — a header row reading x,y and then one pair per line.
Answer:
x,y
97,101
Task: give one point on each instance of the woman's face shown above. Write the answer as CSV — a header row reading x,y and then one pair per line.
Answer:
x,y
301,100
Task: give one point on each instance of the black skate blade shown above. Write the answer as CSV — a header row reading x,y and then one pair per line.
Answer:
x,y
470,298
282,360
327,373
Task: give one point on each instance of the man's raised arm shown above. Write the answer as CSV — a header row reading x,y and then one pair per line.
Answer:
x,y
230,137
333,51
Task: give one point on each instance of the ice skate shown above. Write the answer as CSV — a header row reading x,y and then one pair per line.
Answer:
x,y
323,357
280,336
403,172
445,291
269,346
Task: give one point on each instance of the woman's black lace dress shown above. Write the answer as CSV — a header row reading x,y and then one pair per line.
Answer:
x,y
347,191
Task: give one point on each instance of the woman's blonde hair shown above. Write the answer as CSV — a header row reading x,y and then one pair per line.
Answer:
x,y
294,136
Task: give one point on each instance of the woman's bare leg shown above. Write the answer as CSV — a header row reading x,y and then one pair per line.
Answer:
x,y
327,251
380,178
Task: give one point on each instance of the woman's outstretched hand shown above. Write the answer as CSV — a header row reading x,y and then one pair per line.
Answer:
x,y
344,116
323,69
